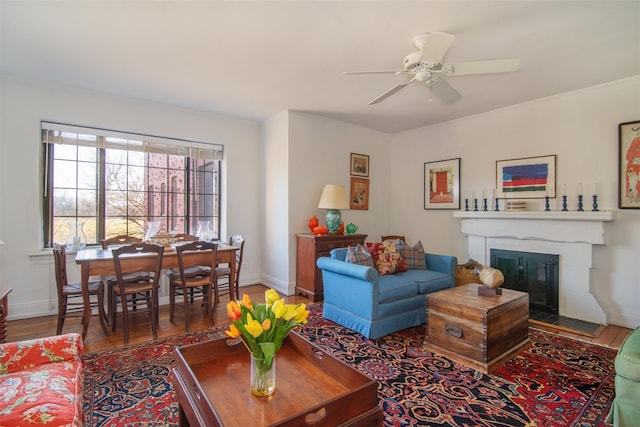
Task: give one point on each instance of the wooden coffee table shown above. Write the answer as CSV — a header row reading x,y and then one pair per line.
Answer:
x,y
211,380
479,331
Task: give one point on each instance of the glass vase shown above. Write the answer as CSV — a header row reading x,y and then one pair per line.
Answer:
x,y
263,377
153,227
76,239
204,233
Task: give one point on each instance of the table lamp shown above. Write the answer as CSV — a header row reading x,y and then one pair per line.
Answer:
x,y
333,198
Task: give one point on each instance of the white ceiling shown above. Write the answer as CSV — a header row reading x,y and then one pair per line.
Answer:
x,y
255,59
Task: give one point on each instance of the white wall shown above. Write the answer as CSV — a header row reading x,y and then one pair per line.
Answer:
x,y
274,193
581,128
25,103
302,153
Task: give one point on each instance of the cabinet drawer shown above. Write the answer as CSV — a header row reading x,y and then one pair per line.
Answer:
x,y
327,246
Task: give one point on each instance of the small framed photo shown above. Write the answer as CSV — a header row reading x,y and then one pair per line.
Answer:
x,y
359,165
526,178
442,184
359,194
629,165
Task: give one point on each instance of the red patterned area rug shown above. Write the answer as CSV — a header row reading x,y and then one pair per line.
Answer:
x,y
556,382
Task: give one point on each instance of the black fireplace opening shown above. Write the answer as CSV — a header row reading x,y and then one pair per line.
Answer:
x,y
534,273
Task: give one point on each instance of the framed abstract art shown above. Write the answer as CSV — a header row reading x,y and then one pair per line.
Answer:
x,y
526,178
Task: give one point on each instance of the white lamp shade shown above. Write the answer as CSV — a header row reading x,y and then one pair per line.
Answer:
x,y
334,197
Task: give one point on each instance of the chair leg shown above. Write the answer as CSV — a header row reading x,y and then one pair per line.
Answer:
x,y
102,315
62,311
154,313
187,312
125,319
114,309
210,303
172,300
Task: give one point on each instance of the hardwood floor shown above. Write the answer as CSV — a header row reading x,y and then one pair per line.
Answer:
x,y
140,329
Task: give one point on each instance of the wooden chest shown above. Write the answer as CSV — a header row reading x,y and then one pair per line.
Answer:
x,y
310,248
482,332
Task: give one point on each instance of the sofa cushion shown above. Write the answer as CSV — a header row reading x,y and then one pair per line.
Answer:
x,y
427,280
394,287
413,257
49,394
359,255
386,257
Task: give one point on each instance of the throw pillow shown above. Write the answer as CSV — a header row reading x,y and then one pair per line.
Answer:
x,y
359,255
386,258
413,256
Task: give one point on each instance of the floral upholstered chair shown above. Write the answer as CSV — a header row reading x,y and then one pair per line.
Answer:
x,y
41,382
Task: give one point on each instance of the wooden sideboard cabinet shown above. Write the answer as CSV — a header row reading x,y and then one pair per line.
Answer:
x,y
310,248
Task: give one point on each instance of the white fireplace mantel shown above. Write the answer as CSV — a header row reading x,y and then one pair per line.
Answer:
x,y
571,235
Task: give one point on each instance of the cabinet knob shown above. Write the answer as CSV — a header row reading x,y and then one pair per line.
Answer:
x,y
331,245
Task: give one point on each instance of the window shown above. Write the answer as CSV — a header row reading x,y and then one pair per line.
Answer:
x,y
115,183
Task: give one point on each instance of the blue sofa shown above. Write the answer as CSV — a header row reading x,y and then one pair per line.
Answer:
x,y
359,298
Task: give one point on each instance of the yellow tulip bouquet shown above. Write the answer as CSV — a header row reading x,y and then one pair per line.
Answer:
x,y
263,327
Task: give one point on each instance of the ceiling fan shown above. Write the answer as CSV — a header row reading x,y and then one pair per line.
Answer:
x,y
425,66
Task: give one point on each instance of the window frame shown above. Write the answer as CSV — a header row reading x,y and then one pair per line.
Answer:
x,y
202,152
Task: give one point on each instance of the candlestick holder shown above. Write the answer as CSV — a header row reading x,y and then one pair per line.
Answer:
x,y
475,205
595,203
497,208
580,206
484,205
466,205
546,203
564,204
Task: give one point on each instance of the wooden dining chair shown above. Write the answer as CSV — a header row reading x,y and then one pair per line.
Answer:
x,y
70,300
393,237
194,256
224,272
174,273
137,258
119,240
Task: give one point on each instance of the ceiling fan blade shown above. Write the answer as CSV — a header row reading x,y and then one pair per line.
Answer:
x,y
433,46
373,72
391,91
485,67
443,90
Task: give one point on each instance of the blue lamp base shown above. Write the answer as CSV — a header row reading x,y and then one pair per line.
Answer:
x,y
333,220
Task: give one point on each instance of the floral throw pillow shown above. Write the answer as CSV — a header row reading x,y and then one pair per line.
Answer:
x,y
386,258
359,255
413,256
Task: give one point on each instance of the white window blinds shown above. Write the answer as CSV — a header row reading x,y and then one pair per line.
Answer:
x,y
61,133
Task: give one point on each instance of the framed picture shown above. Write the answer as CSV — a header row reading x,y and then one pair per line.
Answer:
x,y
359,194
629,165
528,178
359,165
442,184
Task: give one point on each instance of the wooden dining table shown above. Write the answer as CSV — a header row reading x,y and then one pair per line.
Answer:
x,y
95,261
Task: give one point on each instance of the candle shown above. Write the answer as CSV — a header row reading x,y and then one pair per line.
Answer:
x,y
473,194
564,189
595,188
579,189
484,193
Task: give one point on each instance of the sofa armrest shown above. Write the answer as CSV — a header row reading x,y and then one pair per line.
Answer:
x,y
15,356
442,263
346,268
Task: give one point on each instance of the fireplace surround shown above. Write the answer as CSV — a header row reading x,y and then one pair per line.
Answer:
x,y
570,235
